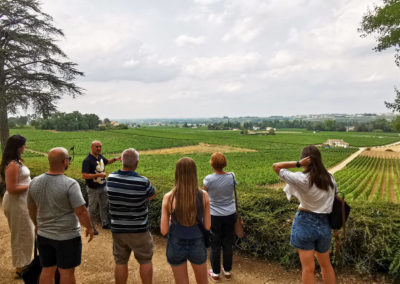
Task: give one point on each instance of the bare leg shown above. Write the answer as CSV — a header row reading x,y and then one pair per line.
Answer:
x,y
307,266
121,273
181,274
200,272
146,273
67,276
328,274
47,275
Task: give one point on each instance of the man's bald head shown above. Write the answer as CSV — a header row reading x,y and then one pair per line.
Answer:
x,y
96,147
57,157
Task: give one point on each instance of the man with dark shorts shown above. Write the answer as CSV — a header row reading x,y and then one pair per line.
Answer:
x,y
56,207
128,194
93,171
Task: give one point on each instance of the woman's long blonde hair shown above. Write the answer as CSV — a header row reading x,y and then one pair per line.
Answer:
x,y
186,189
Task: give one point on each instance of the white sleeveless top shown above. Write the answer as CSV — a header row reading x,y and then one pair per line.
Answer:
x,y
24,175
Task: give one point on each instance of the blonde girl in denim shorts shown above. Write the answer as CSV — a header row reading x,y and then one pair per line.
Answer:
x,y
183,209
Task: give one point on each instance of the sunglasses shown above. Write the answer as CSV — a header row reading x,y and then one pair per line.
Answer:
x,y
68,158
72,149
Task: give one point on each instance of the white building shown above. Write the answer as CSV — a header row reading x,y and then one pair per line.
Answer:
x,y
336,143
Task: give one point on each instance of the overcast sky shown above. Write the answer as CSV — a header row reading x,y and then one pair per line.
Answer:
x,y
207,58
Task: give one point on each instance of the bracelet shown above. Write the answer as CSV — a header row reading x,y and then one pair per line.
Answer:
x,y
298,164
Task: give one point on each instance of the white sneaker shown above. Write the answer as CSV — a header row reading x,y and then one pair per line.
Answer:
x,y
227,274
214,277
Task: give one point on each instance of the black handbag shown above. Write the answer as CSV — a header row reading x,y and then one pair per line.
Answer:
x,y
31,273
340,213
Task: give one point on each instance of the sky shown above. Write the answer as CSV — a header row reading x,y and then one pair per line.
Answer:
x,y
214,58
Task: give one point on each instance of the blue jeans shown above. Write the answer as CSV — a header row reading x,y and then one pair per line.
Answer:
x,y
181,250
311,231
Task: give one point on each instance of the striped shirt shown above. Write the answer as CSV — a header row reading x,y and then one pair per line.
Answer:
x,y
127,197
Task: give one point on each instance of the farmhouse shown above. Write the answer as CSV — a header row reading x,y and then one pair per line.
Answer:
x,y
336,143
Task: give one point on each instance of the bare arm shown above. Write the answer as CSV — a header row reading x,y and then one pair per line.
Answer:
x,y
83,216
152,197
207,214
287,165
91,176
112,160
165,214
11,176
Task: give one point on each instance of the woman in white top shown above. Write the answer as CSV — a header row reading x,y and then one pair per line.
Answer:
x,y
17,178
311,234
220,186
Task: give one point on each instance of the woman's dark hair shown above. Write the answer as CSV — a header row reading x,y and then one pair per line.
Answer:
x,y
11,152
318,174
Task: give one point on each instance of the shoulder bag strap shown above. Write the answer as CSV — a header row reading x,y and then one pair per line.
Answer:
x,y
234,189
343,218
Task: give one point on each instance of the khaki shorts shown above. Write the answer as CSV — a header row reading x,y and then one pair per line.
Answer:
x,y
140,243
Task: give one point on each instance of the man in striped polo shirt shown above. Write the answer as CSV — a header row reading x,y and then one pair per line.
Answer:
x,y
128,193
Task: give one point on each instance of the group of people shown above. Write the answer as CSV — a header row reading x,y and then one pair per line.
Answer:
x,y
52,206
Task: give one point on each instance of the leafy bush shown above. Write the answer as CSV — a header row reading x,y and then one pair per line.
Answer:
x,y
372,242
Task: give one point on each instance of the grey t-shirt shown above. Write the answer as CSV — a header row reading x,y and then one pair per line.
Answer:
x,y
221,193
55,197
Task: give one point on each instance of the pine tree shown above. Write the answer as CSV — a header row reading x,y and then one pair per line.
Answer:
x,y
34,71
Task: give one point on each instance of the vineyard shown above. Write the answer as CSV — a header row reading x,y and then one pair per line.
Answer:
x,y
370,179
364,178
252,168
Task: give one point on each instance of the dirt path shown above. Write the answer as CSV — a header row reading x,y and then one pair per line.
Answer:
x,y
98,264
343,163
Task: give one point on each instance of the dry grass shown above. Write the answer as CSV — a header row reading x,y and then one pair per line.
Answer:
x,y
201,148
386,152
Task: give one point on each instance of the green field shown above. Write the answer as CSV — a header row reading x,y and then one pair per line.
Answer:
x,y
252,169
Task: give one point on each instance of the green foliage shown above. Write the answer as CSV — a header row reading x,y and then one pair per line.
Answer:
x,y
396,121
68,121
34,71
373,238
385,21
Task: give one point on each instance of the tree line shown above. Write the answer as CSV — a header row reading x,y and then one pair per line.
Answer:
x,y
62,121
381,124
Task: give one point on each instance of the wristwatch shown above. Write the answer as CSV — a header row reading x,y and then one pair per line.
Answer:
x,y
298,164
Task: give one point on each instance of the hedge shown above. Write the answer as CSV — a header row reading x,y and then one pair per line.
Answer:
x,y
372,242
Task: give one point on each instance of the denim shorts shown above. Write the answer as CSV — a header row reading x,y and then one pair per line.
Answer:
x,y
181,250
311,231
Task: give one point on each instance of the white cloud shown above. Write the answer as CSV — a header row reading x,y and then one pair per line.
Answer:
x,y
245,30
234,63
183,40
206,2
202,57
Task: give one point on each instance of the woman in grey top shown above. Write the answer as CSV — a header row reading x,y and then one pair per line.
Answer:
x,y
220,186
17,178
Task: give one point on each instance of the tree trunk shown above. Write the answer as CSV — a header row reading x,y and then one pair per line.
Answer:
x,y
4,130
